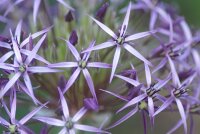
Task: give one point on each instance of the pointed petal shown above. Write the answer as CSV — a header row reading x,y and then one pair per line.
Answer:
x,y
35,35
65,108
13,108
126,20
63,65
38,69
124,118
72,131
72,79
129,80
116,95
18,31
153,18
35,50
90,83
175,77
99,65
63,131
151,110
10,8
160,65
73,50
16,51
105,28
79,114
138,36
31,114
6,66
65,4
4,122
86,56
35,10
10,83
100,46
148,75
164,105
51,121
89,128
162,83
182,113
115,62
6,56
178,125
136,54
133,102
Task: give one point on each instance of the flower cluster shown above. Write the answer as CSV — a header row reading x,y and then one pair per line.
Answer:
x,y
160,74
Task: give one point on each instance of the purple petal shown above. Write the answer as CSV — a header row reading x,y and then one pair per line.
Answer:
x,y
115,62
72,79
65,4
124,118
105,28
4,122
35,50
16,51
64,104
162,83
136,54
6,56
87,55
186,30
89,82
133,102
178,125
38,69
51,121
73,50
63,65
138,35
129,80
13,108
72,131
31,114
116,95
148,75
182,113
18,31
91,104
7,66
35,35
126,20
5,45
63,131
160,65
164,106
100,46
99,65
10,83
10,8
175,77
151,110
153,18
89,128
79,114
35,9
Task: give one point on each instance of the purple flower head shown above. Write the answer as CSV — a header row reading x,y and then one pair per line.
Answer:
x,y
82,64
69,124
119,41
69,17
101,12
73,39
14,126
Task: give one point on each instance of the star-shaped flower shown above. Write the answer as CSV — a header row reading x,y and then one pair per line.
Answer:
x,y
120,41
82,64
69,124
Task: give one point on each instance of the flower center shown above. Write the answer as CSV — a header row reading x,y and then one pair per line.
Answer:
x,y
179,92
22,68
82,64
12,129
142,105
151,91
69,124
120,40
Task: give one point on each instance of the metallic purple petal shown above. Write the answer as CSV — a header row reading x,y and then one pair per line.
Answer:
x,y
115,62
151,110
51,121
124,118
31,114
18,31
160,65
91,104
105,28
138,35
89,82
63,131
136,54
99,65
6,66
10,83
13,108
72,79
133,102
35,9
89,128
148,75
16,51
79,114
65,108
162,83
153,18
126,20
4,122
164,105
182,113
129,80
38,69
63,65
10,8
73,50
6,56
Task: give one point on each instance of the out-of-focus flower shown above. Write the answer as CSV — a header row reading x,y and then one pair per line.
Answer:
x,y
73,39
102,11
69,124
69,16
119,41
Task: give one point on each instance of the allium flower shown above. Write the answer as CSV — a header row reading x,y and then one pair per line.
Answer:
x,y
120,40
14,125
22,68
69,124
82,64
